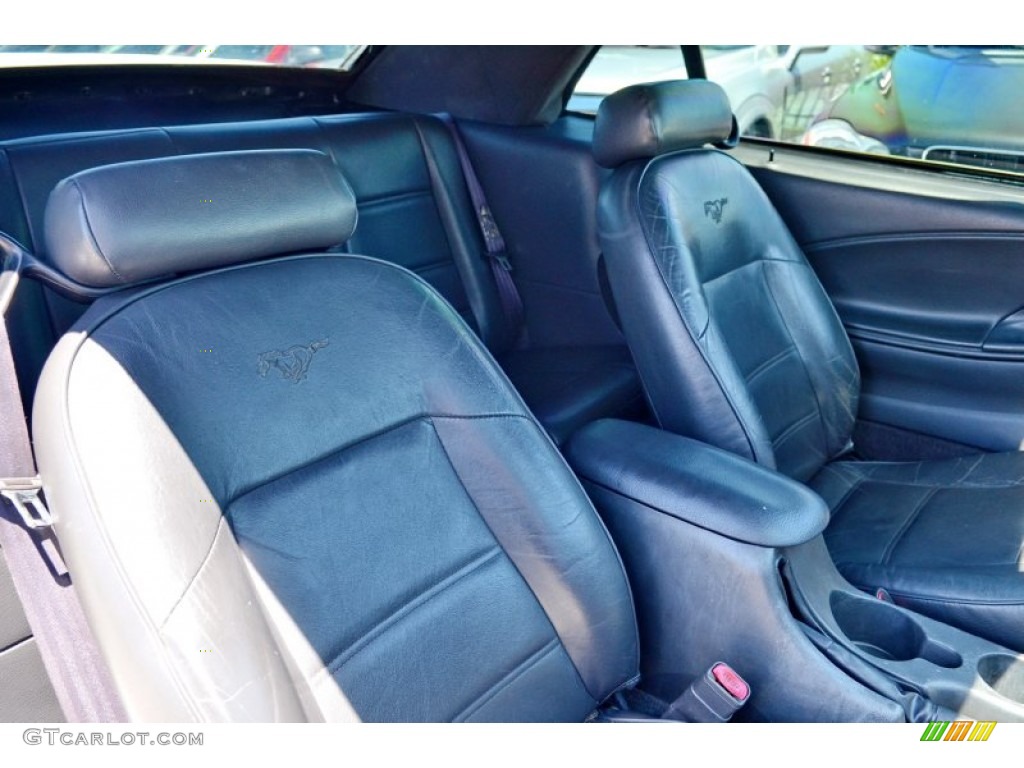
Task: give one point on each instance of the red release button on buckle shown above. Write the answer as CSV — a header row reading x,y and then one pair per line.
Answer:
x,y
726,677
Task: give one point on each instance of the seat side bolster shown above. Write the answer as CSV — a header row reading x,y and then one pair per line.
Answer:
x,y
144,541
564,555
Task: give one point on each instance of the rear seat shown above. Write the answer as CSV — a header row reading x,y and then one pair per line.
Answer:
x,y
414,210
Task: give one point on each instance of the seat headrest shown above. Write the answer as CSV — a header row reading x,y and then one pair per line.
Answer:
x,y
651,119
121,224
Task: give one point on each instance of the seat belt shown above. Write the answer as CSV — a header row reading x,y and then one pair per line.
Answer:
x,y
77,671
494,243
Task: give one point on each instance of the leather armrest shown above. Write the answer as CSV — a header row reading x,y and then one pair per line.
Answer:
x,y
691,481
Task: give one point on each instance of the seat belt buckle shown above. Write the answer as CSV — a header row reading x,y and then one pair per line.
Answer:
x,y
714,697
502,259
23,493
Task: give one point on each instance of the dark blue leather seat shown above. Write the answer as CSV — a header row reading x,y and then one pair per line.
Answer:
x,y
739,346
309,466
414,211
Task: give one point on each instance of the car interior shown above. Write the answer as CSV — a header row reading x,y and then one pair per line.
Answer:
x,y
408,394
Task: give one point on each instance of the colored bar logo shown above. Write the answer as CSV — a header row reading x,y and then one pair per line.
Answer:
x,y
959,730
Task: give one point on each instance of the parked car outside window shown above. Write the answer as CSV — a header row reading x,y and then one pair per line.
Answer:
x,y
775,90
946,103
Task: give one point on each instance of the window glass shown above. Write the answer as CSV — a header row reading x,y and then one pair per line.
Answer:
x,y
616,66
325,56
945,103
950,104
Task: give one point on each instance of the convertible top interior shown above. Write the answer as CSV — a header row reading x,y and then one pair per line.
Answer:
x,y
302,354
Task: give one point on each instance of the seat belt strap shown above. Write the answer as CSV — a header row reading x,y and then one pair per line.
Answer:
x,y
77,671
494,243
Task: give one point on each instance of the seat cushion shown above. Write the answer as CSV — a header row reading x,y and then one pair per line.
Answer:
x,y
944,538
567,387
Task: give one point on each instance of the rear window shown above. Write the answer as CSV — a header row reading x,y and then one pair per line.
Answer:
x,y
321,56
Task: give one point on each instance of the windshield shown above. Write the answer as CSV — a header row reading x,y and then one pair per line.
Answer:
x,y
322,56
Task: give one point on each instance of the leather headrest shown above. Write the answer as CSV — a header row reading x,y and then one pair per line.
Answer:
x,y
651,119
126,223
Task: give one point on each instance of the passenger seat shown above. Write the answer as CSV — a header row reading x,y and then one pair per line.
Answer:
x,y
298,488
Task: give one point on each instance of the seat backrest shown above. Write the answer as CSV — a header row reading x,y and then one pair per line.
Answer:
x,y
300,488
413,204
736,342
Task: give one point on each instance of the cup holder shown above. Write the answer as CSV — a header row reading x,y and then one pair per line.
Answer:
x,y
1004,674
886,632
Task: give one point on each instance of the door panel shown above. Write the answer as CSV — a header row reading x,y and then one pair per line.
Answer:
x,y
926,270
953,290
973,401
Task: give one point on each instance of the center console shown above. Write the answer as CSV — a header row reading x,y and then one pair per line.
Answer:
x,y
727,563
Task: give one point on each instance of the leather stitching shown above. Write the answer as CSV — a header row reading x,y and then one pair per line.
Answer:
x,y
964,478
395,197
800,357
403,611
526,582
768,364
911,519
792,429
92,235
953,600
854,484
195,576
757,262
419,269
36,141
953,485
518,671
246,490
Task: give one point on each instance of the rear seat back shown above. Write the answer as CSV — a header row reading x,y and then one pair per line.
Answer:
x,y
385,156
414,210
388,160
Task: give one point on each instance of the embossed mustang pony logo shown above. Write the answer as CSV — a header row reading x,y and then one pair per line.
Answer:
x,y
293,363
713,209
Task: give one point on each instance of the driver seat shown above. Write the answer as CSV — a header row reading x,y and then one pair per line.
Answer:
x,y
738,345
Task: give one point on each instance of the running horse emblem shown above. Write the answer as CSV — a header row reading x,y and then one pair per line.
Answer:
x,y
713,209
293,363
